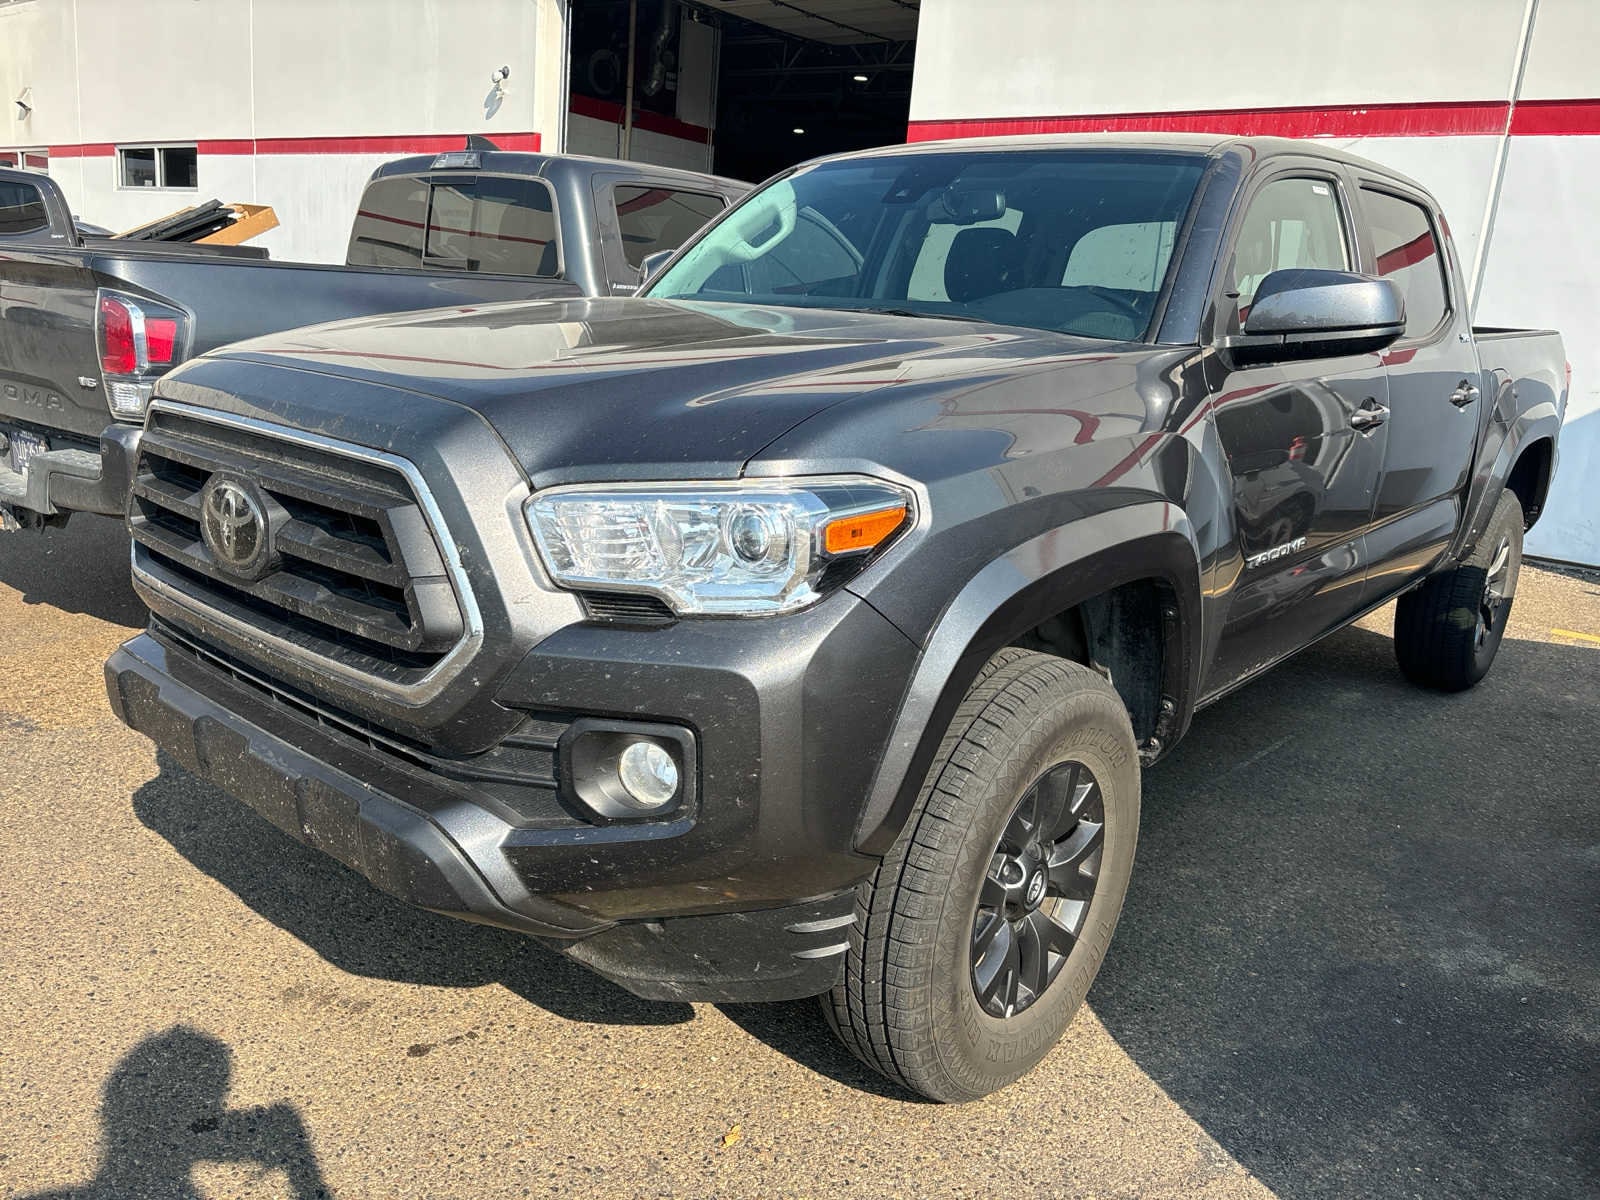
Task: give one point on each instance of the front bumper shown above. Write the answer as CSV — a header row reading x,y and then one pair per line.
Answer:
x,y
747,897
72,479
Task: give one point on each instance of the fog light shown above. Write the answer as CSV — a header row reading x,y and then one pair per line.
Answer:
x,y
648,773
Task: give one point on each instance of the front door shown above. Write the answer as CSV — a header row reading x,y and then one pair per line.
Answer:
x,y
1303,474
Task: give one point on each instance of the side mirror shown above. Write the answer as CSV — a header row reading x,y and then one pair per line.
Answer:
x,y
1303,313
652,264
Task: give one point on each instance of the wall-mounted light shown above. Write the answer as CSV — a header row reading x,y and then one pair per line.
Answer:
x,y
24,108
499,79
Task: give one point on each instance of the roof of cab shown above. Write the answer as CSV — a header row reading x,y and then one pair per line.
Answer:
x,y
1208,145
549,166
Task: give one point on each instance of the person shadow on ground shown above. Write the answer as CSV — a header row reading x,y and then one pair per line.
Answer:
x,y
164,1112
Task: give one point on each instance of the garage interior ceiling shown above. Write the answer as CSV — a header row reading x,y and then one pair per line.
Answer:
x,y
836,22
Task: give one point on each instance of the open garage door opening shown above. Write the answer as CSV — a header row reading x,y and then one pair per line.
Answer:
x,y
744,88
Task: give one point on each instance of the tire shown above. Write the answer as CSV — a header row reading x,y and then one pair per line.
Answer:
x,y
1035,734
1447,631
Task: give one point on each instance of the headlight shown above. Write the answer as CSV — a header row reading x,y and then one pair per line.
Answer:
x,y
744,548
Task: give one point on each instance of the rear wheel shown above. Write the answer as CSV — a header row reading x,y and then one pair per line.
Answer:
x,y
978,936
1447,632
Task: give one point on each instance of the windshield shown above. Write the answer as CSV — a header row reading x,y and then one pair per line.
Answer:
x,y
1075,241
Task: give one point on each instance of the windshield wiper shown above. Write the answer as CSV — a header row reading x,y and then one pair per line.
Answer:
x,y
914,312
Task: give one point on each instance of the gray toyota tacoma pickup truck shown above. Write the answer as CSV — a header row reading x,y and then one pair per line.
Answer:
x,y
88,324
803,626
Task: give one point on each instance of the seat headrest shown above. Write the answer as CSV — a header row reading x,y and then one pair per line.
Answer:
x,y
981,263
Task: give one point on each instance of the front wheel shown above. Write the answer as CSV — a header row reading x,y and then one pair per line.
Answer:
x,y
978,936
1447,632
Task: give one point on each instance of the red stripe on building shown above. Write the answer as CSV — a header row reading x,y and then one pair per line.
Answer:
x,y
1554,118
85,150
1486,117
427,143
643,118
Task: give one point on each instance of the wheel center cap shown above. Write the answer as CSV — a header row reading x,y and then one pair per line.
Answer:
x,y
1035,892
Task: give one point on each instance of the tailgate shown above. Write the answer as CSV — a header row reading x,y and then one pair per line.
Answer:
x,y
47,343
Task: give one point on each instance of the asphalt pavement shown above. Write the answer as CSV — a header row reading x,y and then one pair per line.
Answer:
x,y
1361,958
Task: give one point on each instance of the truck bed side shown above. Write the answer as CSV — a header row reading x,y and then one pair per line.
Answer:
x,y
1524,385
47,312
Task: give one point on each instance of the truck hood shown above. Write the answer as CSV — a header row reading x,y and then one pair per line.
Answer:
x,y
596,389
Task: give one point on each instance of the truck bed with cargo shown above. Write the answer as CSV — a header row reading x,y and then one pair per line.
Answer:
x,y
88,325
804,626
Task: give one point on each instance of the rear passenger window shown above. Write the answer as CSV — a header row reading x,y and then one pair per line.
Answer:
x,y
1290,223
653,218
494,224
1408,253
21,208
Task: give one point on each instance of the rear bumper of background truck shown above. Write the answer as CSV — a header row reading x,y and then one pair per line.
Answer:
x,y
324,791
73,479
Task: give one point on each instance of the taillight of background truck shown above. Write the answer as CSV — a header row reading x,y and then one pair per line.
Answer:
x,y
139,340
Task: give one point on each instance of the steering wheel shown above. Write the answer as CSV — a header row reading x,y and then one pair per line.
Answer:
x,y
1129,308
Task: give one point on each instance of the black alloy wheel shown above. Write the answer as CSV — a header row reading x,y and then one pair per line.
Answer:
x,y
1035,897
1493,608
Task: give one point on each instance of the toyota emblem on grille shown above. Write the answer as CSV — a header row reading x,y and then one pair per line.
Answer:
x,y
234,525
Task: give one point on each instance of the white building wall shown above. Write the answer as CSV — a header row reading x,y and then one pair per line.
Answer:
x,y
292,103
1543,266
1429,87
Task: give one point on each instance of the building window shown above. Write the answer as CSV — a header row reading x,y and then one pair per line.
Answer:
x,y
158,167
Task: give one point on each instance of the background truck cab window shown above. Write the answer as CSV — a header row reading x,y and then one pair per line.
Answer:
x,y
498,225
1290,223
21,208
1408,253
478,223
389,224
654,218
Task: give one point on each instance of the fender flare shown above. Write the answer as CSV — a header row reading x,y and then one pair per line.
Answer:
x,y
1539,423
1052,572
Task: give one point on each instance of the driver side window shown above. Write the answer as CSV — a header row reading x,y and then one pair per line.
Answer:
x,y
1290,223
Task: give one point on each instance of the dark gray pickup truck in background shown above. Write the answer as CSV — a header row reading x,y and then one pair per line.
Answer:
x,y
804,626
88,324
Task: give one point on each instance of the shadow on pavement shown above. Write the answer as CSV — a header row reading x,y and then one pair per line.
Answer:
x,y
82,568
1362,946
164,1111
360,929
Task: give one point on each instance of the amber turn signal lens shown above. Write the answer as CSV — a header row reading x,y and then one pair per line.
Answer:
x,y
862,532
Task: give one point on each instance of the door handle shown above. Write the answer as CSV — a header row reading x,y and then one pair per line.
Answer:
x,y
1369,416
1464,394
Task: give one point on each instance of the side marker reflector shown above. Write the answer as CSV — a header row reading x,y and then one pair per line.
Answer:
x,y
863,531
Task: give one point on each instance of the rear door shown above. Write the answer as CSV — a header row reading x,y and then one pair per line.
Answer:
x,y
1302,477
1435,405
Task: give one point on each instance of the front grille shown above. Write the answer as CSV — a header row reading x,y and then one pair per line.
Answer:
x,y
354,574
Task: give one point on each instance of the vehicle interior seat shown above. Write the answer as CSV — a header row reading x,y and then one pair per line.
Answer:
x,y
982,262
